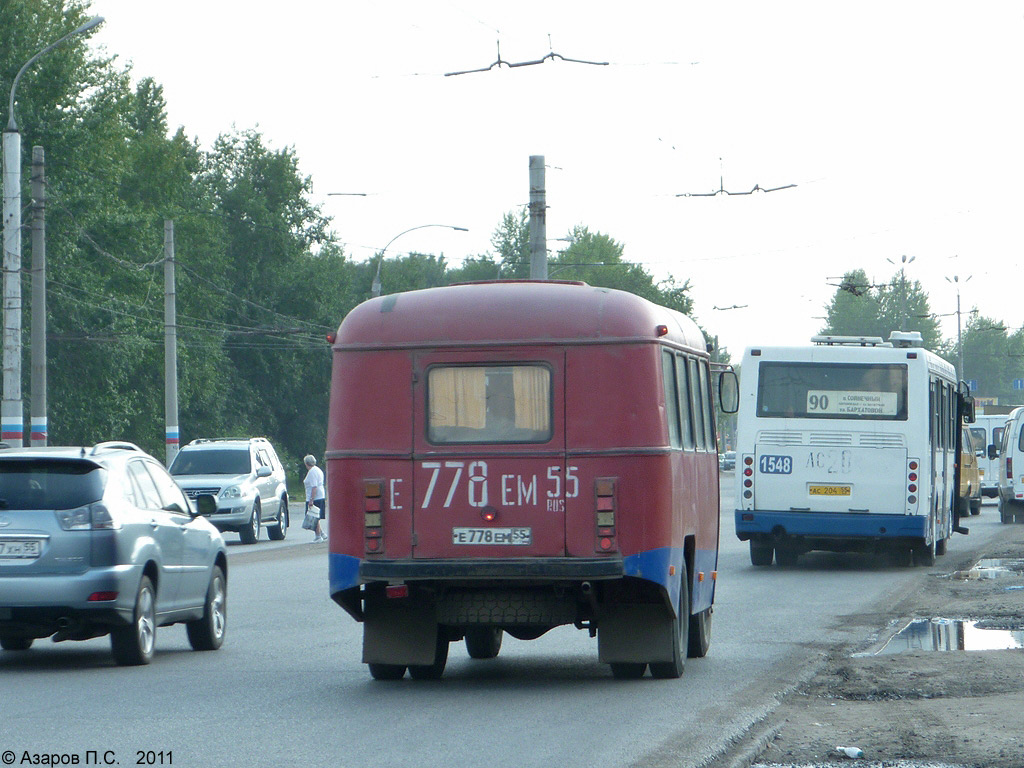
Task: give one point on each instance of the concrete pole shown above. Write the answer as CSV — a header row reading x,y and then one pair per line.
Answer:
x,y
12,414
38,432
170,346
959,342
538,220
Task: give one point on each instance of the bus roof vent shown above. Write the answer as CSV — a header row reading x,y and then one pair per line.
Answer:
x,y
906,339
852,341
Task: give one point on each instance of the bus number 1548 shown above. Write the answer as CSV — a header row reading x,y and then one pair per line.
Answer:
x,y
776,465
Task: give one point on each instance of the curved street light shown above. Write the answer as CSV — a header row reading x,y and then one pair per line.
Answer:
x,y
12,414
375,288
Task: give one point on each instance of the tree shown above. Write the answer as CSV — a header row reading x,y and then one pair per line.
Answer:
x,y
511,242
861,308
596,258
986,347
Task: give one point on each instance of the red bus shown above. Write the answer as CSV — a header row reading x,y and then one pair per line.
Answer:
x,y
515,456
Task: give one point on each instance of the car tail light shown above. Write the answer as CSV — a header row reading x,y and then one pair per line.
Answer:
x,y
92,517
604,508
102,597
373,517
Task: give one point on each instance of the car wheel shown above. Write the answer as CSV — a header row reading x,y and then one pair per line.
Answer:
x,y
761,553
134,644
786,556
668,670
207,633
975,505
15,643
924,554
700,634
435,670
483,642
251,533
628,670
386,671
279,530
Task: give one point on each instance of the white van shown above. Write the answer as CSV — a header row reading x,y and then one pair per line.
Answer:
x,y
987,431
1011,469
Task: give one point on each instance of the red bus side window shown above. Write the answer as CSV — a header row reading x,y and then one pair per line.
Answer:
x,y
686,417
671,398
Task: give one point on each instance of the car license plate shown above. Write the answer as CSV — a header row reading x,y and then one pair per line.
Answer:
x,y
19,549
829,490
502,536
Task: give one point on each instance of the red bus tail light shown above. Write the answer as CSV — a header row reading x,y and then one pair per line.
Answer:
x,y
373,517
604,511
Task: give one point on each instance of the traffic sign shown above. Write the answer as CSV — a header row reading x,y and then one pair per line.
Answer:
x,y
973,384
1018,383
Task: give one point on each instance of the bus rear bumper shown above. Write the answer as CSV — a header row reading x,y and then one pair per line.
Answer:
x,y
757,523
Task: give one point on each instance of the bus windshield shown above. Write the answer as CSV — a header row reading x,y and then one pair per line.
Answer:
x,y
832,391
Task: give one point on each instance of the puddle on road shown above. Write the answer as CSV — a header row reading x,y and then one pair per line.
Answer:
x,y
956,635
993,568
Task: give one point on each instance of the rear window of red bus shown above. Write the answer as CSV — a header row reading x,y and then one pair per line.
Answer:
x,y
489,404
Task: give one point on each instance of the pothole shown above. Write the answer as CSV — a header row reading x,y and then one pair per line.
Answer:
x,y
955,635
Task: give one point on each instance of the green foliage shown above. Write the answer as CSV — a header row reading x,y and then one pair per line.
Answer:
x,y
860,308
511,243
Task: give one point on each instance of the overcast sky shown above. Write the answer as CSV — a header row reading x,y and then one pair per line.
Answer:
x,y
899,122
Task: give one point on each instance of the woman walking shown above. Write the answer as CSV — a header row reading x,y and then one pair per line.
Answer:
x,y
314,483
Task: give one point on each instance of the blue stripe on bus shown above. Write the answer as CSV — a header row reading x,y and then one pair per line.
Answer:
x,y
343,571
652,565
832,524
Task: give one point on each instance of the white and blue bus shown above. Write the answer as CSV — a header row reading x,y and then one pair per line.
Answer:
x,y
849,444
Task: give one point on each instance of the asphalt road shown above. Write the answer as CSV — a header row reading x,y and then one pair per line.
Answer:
x,y
288,687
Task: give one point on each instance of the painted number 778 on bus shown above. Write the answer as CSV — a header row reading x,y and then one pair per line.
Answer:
x,y
453,481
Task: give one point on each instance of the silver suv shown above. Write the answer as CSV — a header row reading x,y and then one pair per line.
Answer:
x,y
100,540
246,478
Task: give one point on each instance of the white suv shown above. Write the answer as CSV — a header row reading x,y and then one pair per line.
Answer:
x,y
246,478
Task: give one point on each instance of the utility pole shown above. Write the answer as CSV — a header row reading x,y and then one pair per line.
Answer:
x,y
959,342
538,220
38,432
170,346
12,416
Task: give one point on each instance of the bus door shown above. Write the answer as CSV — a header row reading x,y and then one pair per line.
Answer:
x,y
489,474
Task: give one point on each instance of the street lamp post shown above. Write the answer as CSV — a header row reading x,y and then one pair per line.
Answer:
x,y
375,288
12,415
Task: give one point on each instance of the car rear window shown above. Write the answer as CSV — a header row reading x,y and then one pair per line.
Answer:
x,y
212,461
49,484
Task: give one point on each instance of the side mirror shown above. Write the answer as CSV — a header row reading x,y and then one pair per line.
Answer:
x,y
264,472
993,452
206,504
966,403
729,391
